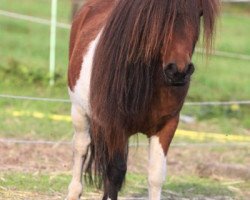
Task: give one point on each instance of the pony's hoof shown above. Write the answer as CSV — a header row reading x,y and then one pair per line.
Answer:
x,y
72,198
75,191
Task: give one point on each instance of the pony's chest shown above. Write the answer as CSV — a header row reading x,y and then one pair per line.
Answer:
x,y
172,99
167,103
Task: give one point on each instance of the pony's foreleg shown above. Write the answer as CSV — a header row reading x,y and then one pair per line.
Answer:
x,y
81,142
158,149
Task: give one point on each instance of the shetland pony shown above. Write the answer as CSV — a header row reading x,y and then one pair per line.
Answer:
x,y
129,72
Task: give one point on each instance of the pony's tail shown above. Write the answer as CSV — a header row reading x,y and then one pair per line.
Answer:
x,y
100,159
96,170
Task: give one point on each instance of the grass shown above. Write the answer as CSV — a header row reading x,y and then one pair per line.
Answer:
x,y
197,186
35,182
135,185
231,39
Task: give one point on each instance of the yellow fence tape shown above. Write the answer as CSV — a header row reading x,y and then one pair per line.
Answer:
x,y
218,137
40,115
193,135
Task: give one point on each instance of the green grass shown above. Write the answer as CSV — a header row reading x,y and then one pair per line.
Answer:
x,y
38,8
192,186
221,80
136,185
231,34
26,53
35,182
237,8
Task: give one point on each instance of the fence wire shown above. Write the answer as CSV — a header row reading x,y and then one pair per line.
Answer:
x,y
132,145
236,1
60,100
29,98
32,19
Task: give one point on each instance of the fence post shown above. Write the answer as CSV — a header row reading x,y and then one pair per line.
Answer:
x,y
53,42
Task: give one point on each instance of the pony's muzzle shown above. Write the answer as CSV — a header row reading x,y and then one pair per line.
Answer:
x,y
173,77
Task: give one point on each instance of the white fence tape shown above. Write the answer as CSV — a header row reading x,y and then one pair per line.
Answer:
x,y
179,144
33,19
59,100
6,96
236,1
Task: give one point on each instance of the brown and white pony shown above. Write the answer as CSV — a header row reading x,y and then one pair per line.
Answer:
x,y
129,72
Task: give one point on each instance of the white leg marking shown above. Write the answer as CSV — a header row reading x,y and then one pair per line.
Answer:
x,y
81,143
156,169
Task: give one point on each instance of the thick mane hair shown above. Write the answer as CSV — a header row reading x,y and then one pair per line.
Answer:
x,y
126,62
210,11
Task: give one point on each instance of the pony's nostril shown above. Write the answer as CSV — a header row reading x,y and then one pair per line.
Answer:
x,y
170,69
190,69
174,77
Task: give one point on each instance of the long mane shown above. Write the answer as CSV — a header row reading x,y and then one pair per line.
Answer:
x,y
127,58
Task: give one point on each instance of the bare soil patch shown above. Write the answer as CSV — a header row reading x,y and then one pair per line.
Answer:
x,y
58,158
181,160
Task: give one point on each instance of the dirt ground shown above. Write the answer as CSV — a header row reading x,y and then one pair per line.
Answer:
x,y
58,158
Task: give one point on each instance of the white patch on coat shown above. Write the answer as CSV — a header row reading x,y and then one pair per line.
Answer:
x,y
157,168
80,95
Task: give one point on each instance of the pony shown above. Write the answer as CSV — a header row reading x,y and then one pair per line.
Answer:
x,y
129,72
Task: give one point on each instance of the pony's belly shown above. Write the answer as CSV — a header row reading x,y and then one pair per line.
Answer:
x,y
80,94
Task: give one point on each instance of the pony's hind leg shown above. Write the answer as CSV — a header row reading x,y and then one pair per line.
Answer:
x,y
116,172
81,142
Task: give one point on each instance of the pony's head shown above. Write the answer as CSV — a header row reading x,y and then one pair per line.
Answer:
x,y
182,35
